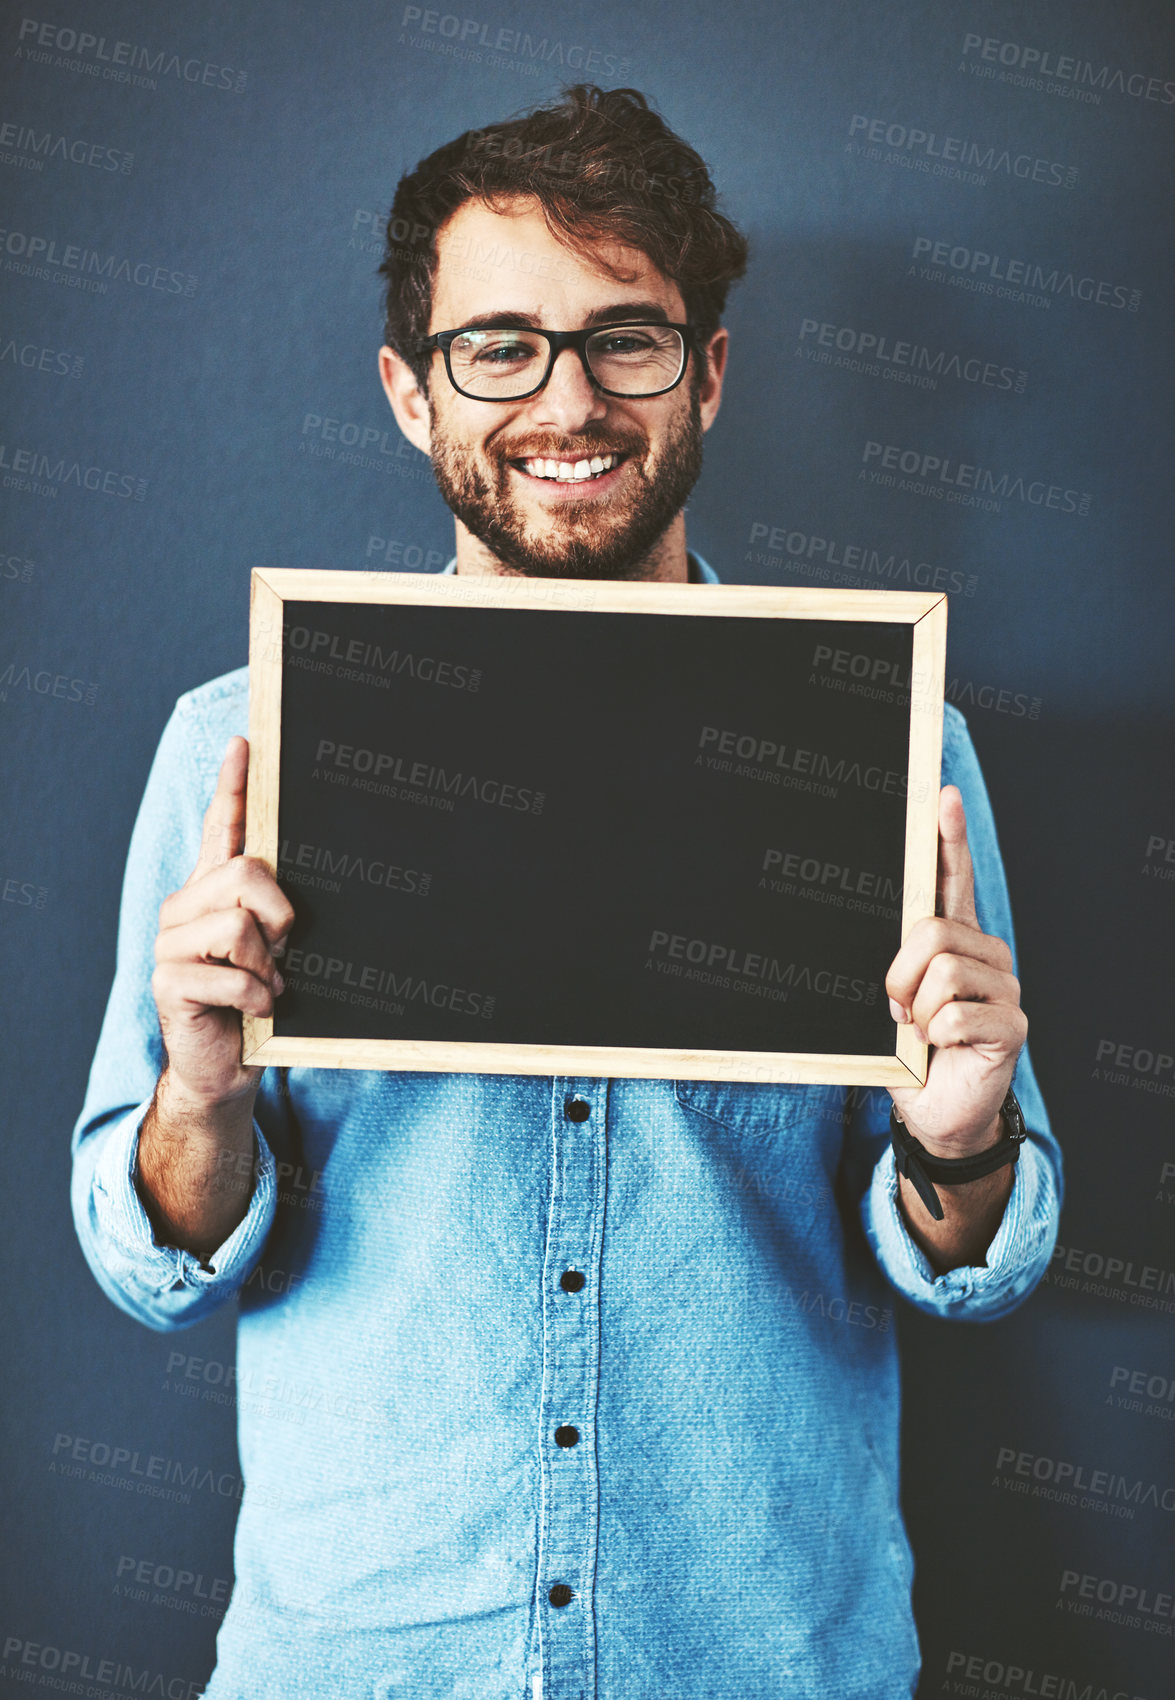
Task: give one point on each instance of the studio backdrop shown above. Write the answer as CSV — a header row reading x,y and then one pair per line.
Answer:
x,y
950,370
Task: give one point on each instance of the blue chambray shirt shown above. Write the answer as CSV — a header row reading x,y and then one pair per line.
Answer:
x,y
507,1341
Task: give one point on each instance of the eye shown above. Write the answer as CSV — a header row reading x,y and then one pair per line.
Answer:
x,y
624,342
493,348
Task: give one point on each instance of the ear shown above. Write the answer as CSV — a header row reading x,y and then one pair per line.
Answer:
x,y
407,399
710,393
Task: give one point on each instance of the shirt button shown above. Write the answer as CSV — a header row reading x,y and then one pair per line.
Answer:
x,y
577,1109
560,1594
572,1280
565,1435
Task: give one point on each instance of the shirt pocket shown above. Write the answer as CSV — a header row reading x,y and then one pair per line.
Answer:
x,y
762,1111
781,1143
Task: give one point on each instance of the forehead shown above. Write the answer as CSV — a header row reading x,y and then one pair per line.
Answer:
x,y
509,261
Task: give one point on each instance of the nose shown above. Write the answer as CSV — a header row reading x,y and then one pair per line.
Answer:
x,y
569,399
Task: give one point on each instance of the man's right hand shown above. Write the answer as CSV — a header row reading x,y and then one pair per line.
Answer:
x,y
215,958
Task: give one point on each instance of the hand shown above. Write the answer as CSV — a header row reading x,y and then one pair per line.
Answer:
x,y
957,985
218,936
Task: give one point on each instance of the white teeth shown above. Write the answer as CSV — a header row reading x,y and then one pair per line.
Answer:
x,y
568,473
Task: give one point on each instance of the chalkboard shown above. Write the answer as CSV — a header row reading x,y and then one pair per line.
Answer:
x,y
593,828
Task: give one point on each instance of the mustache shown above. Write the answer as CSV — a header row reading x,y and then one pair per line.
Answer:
x,y
581,447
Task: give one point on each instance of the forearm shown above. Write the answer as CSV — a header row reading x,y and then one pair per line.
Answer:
x,y
972,1213
195,1166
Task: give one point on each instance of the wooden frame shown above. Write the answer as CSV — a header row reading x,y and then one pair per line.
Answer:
x,y
925,612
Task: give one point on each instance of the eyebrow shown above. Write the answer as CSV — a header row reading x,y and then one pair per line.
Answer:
x,y
623,313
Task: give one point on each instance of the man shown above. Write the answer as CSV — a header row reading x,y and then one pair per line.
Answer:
x,y
577,1387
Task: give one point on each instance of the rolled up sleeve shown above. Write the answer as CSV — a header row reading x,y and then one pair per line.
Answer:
x,y
1023,1243
160,1285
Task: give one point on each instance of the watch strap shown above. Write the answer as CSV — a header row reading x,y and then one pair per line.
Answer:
x,y
921,1169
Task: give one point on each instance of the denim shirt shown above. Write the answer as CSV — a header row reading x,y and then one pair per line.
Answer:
x,y
578,1386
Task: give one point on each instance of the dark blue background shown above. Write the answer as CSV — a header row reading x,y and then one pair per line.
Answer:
x,y
268,194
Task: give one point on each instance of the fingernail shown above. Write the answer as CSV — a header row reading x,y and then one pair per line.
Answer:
x,y
899,1012
279,984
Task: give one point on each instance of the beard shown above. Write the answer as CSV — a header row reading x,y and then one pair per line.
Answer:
x,y
581,540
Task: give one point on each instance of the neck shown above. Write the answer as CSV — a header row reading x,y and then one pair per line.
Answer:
x,y
666,562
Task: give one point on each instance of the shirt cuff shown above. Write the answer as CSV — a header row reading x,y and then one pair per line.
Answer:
x,y
120,1217
1016,1258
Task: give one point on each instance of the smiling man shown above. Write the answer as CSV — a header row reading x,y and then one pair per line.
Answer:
x,y
579,1388
587,475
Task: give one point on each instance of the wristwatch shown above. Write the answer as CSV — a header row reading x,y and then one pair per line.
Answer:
x,y
913,1160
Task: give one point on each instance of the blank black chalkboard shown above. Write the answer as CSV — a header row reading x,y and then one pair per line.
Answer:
x,y
576,829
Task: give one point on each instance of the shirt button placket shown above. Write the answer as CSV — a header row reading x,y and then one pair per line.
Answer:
x,y
571,1352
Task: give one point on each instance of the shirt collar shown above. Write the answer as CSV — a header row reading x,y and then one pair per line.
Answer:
x,y
700,571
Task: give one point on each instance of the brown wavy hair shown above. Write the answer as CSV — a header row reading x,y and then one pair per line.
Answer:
x,y
602,165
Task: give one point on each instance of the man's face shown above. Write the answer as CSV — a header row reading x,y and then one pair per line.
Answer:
x,y
491,458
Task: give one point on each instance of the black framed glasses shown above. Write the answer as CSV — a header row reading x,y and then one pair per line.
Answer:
x,y
511,362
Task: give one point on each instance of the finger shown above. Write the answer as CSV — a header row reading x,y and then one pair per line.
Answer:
x,y
186,988
955,896
226,936
926,939
224,819
951,979
999,1026
246,883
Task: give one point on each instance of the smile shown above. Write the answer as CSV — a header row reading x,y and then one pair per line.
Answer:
x,y
570,472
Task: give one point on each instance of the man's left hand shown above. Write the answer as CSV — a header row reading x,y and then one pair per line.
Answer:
x,y
956,983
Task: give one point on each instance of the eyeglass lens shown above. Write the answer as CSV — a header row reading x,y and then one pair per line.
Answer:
x,y
631,360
